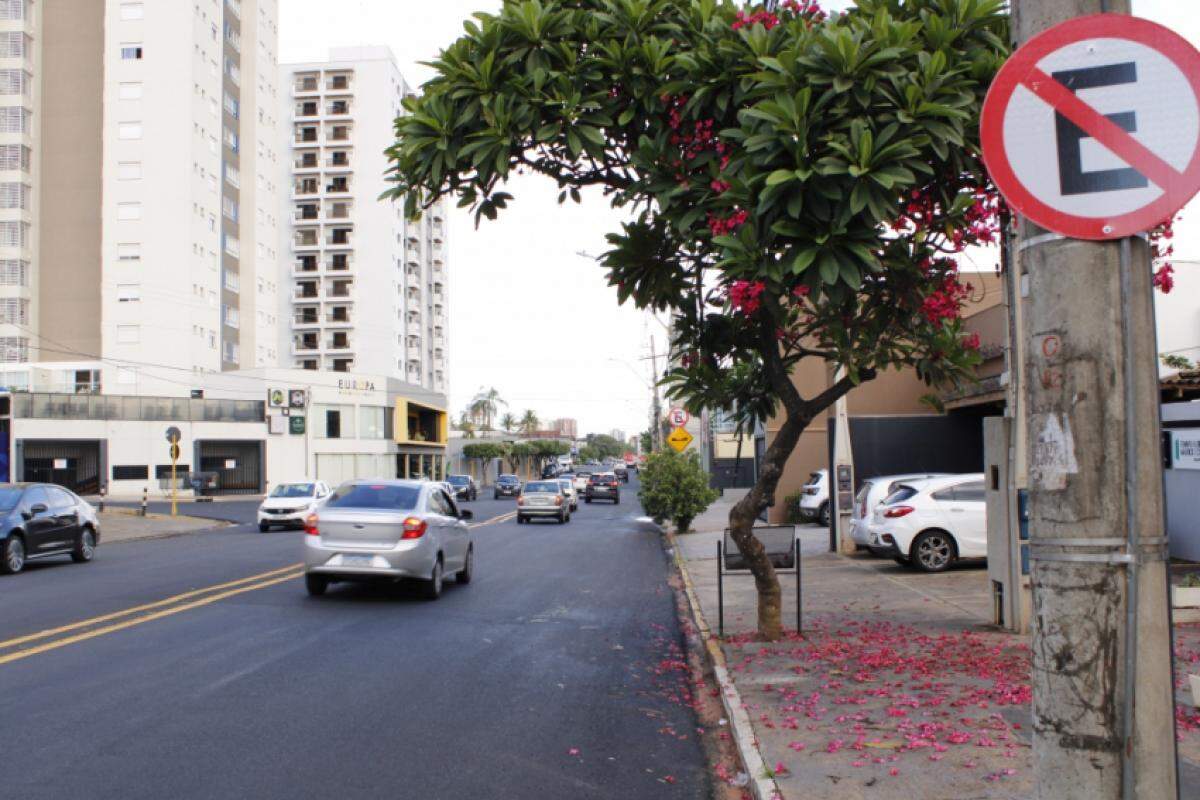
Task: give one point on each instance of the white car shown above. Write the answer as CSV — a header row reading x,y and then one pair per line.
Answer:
x,y
569,488
871,494
931,523
580,481
289,504
814,498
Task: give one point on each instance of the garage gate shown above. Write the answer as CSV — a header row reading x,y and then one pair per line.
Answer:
x,y
75,464
238,465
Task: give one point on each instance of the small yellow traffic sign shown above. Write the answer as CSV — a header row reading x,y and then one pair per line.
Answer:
x,y
679,439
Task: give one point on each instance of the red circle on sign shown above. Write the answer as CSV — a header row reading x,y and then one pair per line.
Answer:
x,y
1018,69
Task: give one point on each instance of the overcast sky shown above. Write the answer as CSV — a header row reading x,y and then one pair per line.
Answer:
x,y
528,315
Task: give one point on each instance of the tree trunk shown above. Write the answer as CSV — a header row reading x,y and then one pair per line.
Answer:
x,y
741,523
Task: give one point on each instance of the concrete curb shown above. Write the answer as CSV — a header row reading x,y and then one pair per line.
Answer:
x,y
761,786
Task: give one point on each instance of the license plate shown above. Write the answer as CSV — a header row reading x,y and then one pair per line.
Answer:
x,y
357,561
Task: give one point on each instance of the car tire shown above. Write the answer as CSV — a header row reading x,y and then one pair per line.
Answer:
x,y
85,547
496,496
432,588
464,575
316,584
823,515
12,555
616,501
263,527
587,500
562,519
520,520
933,551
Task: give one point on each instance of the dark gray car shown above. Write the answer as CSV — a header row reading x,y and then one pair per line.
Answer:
x,y
40,520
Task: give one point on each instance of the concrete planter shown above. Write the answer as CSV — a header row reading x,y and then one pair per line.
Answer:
x,y
1195,681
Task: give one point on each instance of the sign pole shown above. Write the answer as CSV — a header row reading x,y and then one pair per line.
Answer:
x,y
174,486
1100,619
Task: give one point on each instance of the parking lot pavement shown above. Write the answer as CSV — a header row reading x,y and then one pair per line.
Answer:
x,y
898,685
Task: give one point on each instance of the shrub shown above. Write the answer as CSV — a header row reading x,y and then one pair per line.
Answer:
x,y
675,487
791,506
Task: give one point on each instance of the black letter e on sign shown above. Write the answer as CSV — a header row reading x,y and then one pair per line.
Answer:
x,y
1072,178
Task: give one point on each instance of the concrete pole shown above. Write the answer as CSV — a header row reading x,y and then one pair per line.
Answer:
x,y
1102,685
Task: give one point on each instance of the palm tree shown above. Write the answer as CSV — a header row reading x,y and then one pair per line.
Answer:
x,y
484,406
508,421
466,425
529,421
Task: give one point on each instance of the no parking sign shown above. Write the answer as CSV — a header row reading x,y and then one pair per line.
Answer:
x,y
1092,128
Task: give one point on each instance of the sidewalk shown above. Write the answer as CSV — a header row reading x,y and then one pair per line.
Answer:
x,y
124,525
900,687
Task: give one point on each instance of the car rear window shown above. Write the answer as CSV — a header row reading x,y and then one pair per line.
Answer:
x,y
458,480
375,496
813,479
899,495
507,479
542,486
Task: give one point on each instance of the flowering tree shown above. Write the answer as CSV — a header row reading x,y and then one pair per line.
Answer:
x,y
798,184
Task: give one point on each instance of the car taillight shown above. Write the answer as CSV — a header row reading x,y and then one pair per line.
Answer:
x,y
310,525
898,511
414,528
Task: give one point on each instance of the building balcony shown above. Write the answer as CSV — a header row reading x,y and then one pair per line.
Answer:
x,y
337,83
413,328
413,352
306,85
305,348
338,321
338,345
306,321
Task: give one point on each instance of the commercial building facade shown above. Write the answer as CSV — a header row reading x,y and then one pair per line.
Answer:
x,y
367,289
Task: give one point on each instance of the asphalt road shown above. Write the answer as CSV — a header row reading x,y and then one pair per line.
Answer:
x,y
543,678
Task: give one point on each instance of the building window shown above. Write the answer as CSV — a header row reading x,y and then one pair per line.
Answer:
x,y
129,211
229,208
132,11
333,424
230,353
129,91
14,119
128,292
13,234
129,334
231,105
14,272
230,316
14,156
14,311
129,251
14,44
131,52
13,9
129,130
14,82
14,349
129,171
14,195
123,472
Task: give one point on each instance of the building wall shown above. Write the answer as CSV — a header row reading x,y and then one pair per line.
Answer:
x,y
1178,314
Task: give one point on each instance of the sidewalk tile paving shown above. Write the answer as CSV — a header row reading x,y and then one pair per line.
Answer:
x,y
899,687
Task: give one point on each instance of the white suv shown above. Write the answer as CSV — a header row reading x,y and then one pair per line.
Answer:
x,y
814,498
289,504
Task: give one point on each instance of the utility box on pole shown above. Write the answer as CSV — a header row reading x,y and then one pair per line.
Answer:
x,y
1007,529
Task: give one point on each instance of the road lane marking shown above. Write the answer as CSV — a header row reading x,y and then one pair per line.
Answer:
x,y
92,634
135,609
494,520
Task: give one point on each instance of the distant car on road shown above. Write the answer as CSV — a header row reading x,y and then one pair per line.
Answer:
x,y
506,486
289,504
550,471
388,530
873,492
568,487
465,487
39,520
931,523
621,472
603,486
581,480
543,499
814,498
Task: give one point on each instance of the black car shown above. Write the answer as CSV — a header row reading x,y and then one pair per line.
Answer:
x,y
507,486
549,471
603,486
39,520
621,472
464,487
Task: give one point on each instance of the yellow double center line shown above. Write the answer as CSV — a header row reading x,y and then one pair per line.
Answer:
x,y
54,638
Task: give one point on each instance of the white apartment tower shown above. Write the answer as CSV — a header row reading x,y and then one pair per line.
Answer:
x,y
367,291
154,249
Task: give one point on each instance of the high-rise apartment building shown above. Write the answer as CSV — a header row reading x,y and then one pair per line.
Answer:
x,y
144,229
367,290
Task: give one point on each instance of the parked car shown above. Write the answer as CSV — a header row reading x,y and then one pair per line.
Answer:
x,y
39,520
814,498
465,487
543,499
289,504
931,523
506,486
388,530
621,472
568,487
603,486
873,492
581,480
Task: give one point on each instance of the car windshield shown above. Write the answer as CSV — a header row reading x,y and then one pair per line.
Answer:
x,y
10,496
542,486
900,494
293,490
458,480
507,479
375,496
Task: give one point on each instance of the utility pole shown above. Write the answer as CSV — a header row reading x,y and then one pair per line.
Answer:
x,y
1102,683
656,406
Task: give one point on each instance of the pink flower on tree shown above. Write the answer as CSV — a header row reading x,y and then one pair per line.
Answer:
x,y
744,296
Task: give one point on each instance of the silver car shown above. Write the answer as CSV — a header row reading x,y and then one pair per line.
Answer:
x,y
568,487
390,530
543,499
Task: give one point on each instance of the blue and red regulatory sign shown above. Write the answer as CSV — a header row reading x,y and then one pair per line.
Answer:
x,y
1092,128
